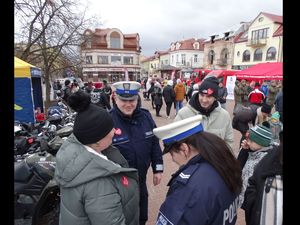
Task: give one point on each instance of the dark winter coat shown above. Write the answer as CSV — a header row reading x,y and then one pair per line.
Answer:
x,y
242,117
137,143
168,94
268,167
198,195
158,96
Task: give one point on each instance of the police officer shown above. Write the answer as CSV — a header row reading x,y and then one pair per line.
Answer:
x,y
135,140
205,188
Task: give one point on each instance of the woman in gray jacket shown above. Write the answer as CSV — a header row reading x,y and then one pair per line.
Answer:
x,y
96,185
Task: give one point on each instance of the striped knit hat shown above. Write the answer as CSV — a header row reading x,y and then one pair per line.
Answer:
x,y
260,135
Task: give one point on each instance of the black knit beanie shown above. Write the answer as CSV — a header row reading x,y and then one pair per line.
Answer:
x,y
210,86
92,123
266,108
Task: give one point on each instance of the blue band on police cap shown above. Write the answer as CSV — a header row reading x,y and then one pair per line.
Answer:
x,y
132,92
183,135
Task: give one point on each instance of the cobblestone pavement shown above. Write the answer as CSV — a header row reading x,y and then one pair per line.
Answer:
x,y
157,193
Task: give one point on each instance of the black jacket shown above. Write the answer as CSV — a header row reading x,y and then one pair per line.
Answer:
x,y
269,166
168,94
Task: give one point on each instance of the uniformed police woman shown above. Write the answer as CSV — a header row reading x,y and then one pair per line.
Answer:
x,y
135,140
96,185
205,189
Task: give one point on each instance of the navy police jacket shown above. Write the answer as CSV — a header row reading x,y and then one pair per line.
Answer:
x,y
198,196
136,141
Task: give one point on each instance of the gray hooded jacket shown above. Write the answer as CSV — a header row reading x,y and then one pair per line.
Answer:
x,y
95,190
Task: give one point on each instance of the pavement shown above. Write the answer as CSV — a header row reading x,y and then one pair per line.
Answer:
x,y
157,193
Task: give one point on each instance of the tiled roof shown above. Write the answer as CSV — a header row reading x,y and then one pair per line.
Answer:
x,y
188,44
275,18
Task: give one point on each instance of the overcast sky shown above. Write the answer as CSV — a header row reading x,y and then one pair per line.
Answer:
x,y
160,22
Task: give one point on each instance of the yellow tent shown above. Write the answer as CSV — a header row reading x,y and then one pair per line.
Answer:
x,y
22,68
27,91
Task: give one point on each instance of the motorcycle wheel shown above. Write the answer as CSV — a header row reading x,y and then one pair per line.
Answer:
x,y
48,212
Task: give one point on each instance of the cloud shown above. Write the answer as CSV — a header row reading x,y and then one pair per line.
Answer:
x,y
160,22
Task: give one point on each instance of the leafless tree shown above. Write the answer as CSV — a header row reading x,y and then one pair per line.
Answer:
x,y
50,33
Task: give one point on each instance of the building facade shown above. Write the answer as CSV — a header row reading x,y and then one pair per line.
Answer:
x,y
111,55
219,48
187,53
262,42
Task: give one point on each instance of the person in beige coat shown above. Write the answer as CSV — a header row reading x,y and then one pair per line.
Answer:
x,y
216,120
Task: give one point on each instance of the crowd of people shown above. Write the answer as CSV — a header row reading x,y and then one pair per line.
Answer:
x,y
102,167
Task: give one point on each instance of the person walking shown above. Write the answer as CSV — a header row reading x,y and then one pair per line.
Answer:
x,y
205,188
169,97
158,98
215,119
222,94
96,184
135,140
66,91
106,89
179,94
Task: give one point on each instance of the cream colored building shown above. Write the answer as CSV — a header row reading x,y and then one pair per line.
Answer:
x,y
262,42
219,48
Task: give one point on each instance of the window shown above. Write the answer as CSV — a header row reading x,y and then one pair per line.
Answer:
x,y
115,41
211,56
103,59
238,54
196,45
89,59
166,62
212,39
260,34
271,54
116,60
246,56
128,60
177,57
224,55
195,58
226,36
257,55
172,59
183,59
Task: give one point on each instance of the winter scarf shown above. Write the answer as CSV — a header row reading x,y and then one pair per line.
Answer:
x,y
194,102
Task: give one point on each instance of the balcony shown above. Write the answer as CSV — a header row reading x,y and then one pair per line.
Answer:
x,y
257,42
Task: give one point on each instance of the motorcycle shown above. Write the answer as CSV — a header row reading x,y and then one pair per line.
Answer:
x,y
36,194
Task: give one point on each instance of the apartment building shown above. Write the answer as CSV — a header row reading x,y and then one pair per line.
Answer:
x,y
261,42
111,55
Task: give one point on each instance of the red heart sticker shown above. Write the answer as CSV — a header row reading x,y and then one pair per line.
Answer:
x,y
125,181
118,131
210,91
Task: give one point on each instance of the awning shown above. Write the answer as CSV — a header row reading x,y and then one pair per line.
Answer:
x,y
220,73
262,71
24,69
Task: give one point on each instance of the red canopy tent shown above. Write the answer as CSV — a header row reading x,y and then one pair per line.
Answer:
x,y
222,73
262,71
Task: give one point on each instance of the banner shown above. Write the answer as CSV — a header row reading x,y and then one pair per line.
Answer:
x,y
230,83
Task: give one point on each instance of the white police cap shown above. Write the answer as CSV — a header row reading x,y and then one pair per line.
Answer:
x,y
177,131
127,90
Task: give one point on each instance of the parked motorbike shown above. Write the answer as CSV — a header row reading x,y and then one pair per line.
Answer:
x,y
36,194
